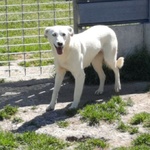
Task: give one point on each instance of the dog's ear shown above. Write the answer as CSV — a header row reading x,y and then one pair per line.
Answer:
x,y
46,32
71,31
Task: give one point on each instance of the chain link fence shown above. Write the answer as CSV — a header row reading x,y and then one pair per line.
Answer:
x,y
24,52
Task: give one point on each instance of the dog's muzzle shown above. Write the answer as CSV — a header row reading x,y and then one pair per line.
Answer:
x,y
59,49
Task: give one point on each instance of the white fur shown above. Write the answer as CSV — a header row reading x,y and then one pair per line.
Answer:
x,y
75,52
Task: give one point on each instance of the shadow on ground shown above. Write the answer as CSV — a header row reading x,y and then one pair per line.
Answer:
x,y
38,92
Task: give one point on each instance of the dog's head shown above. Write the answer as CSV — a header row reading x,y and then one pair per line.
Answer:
x,y
58,37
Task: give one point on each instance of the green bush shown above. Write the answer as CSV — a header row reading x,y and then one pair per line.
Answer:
x,y
137,66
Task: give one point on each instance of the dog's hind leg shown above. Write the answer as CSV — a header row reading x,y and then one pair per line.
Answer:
x,y
110,57
97,65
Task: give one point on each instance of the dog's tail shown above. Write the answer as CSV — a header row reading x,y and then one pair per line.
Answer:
x,y
120,62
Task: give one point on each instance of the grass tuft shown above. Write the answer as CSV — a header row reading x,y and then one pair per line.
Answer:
x,y
7,140
139,118
143,139
91,144
8,111
62,124
126,128
30,140
109,111
142,142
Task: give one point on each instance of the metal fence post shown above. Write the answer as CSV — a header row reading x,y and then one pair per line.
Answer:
x,y
75,15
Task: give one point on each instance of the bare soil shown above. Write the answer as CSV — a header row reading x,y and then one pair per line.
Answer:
x,y
33,96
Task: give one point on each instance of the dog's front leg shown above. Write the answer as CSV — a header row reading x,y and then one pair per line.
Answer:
x,y
60,73
79,82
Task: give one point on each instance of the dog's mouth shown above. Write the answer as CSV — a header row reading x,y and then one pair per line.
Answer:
x,y
59,49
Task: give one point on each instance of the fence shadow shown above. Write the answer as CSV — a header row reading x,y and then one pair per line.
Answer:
x,y
38,92
48,118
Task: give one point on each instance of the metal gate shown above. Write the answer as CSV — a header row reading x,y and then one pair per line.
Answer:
x,y
24,52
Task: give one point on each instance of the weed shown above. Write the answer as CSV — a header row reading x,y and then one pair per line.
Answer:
x,y
8,111
17,120
122,127
143,139
147,122
141,147
40,141
130,102
91,144
30,140
109,111
140,118
62,124
142,142
132,130
126,128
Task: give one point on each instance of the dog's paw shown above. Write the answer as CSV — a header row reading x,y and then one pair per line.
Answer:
x,y
73,106
117,89
49,108
98,92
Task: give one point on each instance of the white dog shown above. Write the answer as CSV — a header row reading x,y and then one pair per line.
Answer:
x,y
75,52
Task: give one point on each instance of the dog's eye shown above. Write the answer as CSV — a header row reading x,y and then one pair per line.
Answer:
x,y
54,34
63,34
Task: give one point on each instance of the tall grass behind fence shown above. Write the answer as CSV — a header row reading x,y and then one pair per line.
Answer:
x,y
22,24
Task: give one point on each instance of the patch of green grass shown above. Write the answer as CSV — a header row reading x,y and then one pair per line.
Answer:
x,y
8,112
139,118
30,141
62,124
109,111
7,141
143,139
126,128
142,142
91,144
36,141
28,35
36,63
5,58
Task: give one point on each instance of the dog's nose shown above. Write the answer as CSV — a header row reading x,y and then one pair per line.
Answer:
x,y
59,43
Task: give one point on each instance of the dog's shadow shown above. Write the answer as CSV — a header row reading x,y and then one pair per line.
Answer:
x,y
40,93
44,119
51,117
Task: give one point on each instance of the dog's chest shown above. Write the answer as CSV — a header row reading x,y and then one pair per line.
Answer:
x,y
63,62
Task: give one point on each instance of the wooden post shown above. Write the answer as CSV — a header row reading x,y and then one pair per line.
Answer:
x,y
75,16
149,11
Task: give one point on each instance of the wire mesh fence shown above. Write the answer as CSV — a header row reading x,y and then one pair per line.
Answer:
x,y
23,49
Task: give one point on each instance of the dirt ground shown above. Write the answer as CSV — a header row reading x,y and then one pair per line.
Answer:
x,y
33,97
